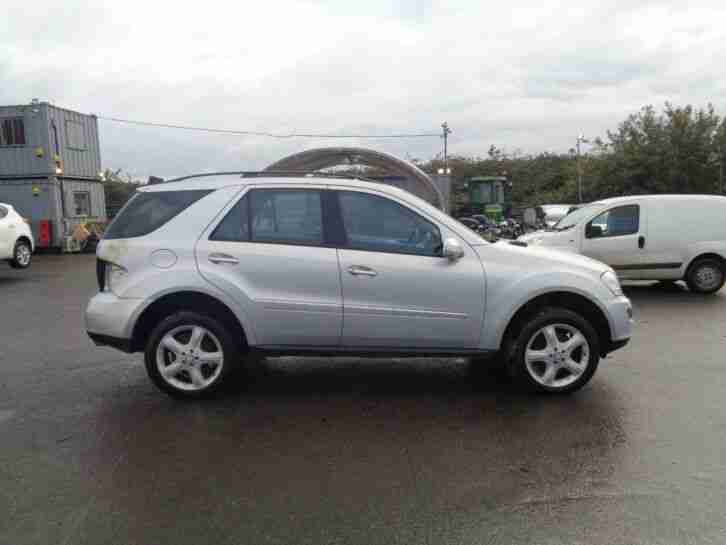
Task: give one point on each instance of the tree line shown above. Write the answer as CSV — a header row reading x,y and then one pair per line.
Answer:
x,y
676,150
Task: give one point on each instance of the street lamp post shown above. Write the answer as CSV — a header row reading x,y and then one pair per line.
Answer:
x,y
580,140
446,131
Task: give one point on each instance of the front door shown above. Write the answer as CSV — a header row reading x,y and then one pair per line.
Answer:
x,y
617,238
269,253
398,290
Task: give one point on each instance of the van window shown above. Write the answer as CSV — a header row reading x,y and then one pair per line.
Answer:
x,y
148,211
618,222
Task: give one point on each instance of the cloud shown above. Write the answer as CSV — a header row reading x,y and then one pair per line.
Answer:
x,y
521,75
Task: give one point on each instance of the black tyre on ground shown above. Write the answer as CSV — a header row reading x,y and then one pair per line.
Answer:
x,y
190,355
557,351
22,255
706,276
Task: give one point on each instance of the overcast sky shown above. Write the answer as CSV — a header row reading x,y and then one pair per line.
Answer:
x,y
520,75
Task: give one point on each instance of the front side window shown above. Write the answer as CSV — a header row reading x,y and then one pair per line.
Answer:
x,y
292,216
12,132
616,222
82,203
147,211
378,224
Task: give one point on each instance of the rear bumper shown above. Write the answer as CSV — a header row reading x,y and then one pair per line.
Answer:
x,y
111,317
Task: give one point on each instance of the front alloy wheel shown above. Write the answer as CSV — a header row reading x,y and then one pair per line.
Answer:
x,y
557,355
556,351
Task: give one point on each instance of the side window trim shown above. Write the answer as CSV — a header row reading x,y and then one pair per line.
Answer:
x,y
248,195
344,242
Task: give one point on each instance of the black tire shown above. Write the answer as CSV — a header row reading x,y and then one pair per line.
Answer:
x,y
22,255
706,276
221,334
528,333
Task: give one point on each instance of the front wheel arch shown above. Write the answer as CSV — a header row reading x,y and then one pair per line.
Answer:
x,y
562,299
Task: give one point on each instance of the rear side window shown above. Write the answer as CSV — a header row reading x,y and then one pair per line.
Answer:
x,y
287,216
146,212
3,212
235,225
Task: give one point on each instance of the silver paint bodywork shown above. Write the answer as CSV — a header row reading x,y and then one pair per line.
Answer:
x,y
325,297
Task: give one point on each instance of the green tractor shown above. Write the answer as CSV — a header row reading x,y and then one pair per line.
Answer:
x,y
491,196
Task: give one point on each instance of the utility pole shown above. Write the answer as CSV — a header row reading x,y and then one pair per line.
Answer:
x,y
580,140
446,131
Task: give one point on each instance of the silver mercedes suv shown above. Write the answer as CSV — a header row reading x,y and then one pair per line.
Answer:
x,y
207,272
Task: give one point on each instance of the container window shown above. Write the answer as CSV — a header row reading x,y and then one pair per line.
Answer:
x,y
147,211
82,203
12,132
74,135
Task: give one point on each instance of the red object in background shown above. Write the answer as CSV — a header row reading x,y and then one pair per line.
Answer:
x,y
45,233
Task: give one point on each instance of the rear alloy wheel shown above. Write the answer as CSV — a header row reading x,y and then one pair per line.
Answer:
x,y
556,352
190,355
22,255
706,276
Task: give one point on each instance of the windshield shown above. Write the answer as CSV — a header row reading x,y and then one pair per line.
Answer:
x,y
573,218
555,212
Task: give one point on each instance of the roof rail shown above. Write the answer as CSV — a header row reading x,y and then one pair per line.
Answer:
x,y
271,174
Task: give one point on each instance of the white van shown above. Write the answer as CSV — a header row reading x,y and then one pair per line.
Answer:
x,y
649,237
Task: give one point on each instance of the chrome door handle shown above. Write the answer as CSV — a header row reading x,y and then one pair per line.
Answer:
x,y
360,270
223,258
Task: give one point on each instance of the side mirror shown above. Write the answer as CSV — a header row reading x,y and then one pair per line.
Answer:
x,y
453,250
593,231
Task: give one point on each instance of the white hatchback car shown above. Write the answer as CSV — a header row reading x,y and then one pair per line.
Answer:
x,y
16,238
201,272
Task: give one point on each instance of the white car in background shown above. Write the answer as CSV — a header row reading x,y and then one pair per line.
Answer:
x,y
16,238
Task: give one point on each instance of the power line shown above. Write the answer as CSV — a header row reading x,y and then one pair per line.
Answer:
x,y
265,134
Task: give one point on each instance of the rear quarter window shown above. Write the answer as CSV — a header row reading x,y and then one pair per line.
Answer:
x,y
147,211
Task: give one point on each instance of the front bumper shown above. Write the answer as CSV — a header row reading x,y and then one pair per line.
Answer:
x,y
110,317
620,316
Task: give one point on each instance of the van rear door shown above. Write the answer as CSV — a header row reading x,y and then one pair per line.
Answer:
x,y
617,237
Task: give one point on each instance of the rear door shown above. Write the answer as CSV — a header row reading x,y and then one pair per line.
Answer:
x,y
270,252
616,236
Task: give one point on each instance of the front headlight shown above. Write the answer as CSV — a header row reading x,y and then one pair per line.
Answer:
x,y
610,279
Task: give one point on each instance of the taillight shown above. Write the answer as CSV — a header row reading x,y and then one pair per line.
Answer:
x,y
101,274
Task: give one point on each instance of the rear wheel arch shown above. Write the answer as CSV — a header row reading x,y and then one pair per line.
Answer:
x,y
705,255
575,302
180,301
